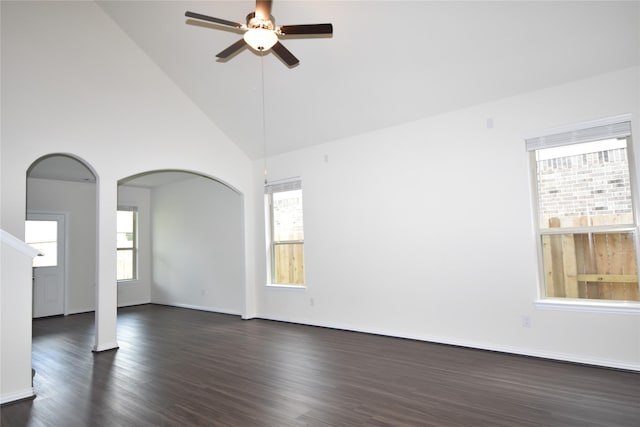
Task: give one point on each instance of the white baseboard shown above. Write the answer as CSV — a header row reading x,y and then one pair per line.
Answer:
x,y
80,311
104,347
201,308
17,395
133,304
562,357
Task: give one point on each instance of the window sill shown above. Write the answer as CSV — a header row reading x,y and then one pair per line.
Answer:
x,y
589,306
276,285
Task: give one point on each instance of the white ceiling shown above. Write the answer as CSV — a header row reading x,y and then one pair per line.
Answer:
x,y
388,62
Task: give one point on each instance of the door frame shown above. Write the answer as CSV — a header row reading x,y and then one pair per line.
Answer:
x,y
62,217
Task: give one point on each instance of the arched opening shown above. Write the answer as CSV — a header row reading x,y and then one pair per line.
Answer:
x,y
190,238
64,186
61,215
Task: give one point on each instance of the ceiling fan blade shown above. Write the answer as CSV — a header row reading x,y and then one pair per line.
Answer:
x,y
212,19
307,29
232,49
263,9
285,54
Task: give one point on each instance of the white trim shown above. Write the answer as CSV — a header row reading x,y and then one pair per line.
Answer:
x,y
17,244
588,306
80,311
282,286
17,395
580,136
281,185
134,303
605,121
596,229
105,347
562,357
201,308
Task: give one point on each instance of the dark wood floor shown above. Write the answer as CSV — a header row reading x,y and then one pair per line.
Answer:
x,y
178,367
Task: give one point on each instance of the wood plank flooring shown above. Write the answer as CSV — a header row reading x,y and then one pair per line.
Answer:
x,y
179,367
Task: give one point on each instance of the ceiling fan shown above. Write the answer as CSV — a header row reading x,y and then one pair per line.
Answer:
x,y
261,34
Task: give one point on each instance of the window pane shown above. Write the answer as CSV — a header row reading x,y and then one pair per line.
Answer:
x,y
289,264
287,216
125,237
126,244
125,264
584,185
591,265
43,235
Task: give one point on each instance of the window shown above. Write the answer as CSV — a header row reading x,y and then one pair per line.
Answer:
x,y
43,235
285,233
127,243
588,234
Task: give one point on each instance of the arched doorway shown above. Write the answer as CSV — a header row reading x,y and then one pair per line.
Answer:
x,y
191,237
61,189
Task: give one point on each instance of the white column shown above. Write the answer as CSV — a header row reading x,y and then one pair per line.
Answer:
x,y
106,265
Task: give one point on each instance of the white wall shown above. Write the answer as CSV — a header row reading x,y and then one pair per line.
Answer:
x,y
132,292
74,83
15,318
395,243
78,201
198,246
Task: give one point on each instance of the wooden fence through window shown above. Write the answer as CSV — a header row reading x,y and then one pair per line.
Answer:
x,y
590,265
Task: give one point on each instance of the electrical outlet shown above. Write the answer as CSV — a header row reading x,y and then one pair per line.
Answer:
x,y
526,321
490,123
312,302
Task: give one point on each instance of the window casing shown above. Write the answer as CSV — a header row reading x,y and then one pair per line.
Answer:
x,y
285,233
127,243
586,213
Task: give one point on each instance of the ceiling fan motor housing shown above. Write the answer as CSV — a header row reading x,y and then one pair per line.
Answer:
x,y
255,22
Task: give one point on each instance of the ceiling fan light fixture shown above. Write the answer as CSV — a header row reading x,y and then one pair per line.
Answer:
x,y
261,34
260,39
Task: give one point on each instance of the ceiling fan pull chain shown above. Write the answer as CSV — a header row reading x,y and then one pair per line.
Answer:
x,y
264,120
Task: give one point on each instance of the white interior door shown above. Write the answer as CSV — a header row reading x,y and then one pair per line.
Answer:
x,y
46,232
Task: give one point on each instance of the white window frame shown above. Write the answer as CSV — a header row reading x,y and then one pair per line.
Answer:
x,y
134,250
270,188
595,130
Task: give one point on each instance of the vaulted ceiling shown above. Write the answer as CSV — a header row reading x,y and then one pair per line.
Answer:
x,y
388,62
